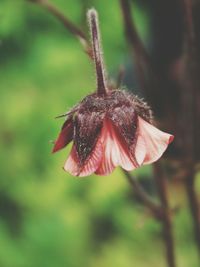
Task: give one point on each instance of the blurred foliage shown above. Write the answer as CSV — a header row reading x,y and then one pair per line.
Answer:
x,y
47,217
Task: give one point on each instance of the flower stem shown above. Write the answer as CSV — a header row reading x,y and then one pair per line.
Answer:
x,y
160,211
97,52
166,220
194,205
69,25
142,60
143,195
190,102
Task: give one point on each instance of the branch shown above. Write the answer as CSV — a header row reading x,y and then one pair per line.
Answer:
x,y
131,31
70,26
143,62
143,196
120,76
190,106
193,202
189,25
167,218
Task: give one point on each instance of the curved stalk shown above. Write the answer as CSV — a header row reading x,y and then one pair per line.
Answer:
x,y
97,52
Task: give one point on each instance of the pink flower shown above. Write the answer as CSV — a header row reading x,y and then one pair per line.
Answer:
x,y
110,131
109,128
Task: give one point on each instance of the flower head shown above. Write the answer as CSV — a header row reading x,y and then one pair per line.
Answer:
x,y
109,128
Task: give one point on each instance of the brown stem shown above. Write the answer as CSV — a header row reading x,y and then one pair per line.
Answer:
x,y
120,76
70,26
194,205
97,52
189,26
142,58
167,223
190,87
143,196
131,31
190,102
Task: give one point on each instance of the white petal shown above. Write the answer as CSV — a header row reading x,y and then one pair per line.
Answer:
x,y
156,141
115,153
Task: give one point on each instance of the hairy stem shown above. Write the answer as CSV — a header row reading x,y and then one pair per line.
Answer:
x,y
97,52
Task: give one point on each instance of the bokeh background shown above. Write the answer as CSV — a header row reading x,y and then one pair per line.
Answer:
x,y
47,217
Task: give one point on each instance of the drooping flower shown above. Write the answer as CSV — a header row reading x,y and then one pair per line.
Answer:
x,y
109,128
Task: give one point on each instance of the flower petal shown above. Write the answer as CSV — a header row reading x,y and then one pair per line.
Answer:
x,y
72,164
140,150
65,136
124,119
156,141
115,152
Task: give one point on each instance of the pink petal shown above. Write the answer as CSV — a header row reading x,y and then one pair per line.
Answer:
x,y
65,136
156,141
140,150
115,153
91,165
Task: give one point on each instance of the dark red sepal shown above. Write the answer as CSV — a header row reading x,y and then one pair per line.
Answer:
x,y
65,136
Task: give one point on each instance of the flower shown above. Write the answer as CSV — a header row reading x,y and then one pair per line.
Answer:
x,y
109,128
109,131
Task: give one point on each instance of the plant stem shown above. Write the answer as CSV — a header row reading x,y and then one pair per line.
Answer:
x,y
142,195
190,102
70,26
143,63
194,205
94,52
166,220
97,52
120,76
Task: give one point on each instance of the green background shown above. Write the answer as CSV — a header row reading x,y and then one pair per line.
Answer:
x,y
47,217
